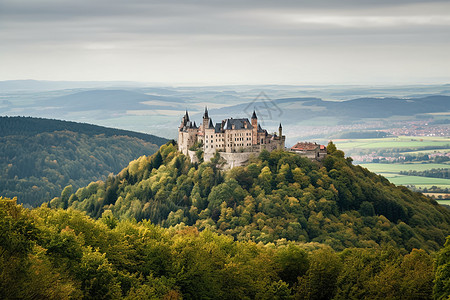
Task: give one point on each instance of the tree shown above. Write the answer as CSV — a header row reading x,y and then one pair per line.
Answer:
x,y
441,288
331,147
157,160
292,263
65,194
319,282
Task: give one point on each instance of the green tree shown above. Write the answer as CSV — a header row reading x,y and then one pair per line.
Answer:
x,y
441,288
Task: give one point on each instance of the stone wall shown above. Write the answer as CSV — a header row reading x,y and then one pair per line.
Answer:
x,y
236,159
192,156
231,159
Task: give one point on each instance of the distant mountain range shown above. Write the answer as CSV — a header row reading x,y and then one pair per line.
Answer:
x,y
290,110
109,100
157,110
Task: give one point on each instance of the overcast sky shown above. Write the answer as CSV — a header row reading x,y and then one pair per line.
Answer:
x,y
226,42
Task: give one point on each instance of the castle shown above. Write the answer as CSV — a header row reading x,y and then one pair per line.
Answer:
x,y
235,139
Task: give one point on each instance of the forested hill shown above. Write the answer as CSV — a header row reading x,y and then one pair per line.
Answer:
x,y
29,126
278,196
39,157
63,254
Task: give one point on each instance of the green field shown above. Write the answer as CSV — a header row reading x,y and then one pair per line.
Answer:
x,y
418,181
443,202
392,143
412,145
422,152
391,172
396,168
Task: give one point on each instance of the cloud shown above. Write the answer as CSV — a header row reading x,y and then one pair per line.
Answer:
x,y
187,33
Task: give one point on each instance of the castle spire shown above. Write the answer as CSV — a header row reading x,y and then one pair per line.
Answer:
x,y
206,113
254,115
186,116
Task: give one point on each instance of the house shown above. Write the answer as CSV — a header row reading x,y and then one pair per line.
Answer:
x,y
310,150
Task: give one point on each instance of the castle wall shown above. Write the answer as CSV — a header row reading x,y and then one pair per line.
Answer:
x,y
192,156
231,159
236,159
186,140
312,154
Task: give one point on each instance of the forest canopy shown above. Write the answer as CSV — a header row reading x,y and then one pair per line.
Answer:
x,y
39,157
277,197
282,227
61,254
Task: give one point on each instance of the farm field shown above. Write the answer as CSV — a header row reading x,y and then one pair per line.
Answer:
x,y
392,143
418,181
392,172
422,152
443,202
443,196
392,147
396,168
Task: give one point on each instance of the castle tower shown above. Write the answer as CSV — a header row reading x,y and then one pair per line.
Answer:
x,y
184,121
254,129
206,120
280,131
183,134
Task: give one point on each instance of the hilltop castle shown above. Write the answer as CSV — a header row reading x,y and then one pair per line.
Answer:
x,y
235,139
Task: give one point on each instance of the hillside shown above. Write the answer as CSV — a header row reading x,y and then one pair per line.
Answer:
x,y
28,126
277,197
39,157
63,254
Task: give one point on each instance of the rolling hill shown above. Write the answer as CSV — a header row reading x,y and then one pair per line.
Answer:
x,y
278,196
39,157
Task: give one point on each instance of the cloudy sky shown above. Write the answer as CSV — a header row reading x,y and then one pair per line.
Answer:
x,y
206,42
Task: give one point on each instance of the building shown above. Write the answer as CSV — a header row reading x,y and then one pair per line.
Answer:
x,y
310,150
234,139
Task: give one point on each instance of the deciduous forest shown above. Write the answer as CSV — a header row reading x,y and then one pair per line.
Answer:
x,y
282,227
61,254
39,157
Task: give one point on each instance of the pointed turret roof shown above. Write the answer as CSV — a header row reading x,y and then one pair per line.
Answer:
x,y
280,126
254,115
205,115
186,116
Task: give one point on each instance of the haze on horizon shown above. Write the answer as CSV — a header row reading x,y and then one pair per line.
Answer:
x,y
226,42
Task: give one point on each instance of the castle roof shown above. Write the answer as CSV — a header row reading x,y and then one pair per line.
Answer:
x,y
238,124
254,115
260,129
305,146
